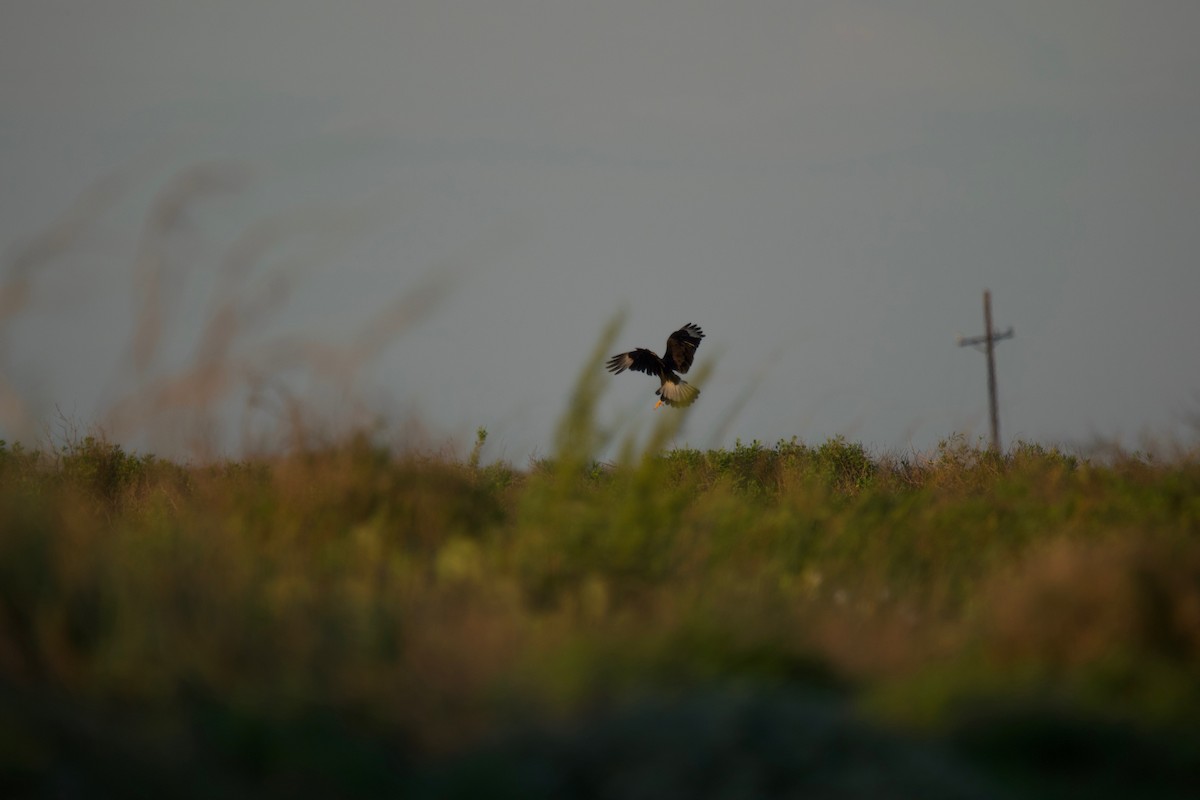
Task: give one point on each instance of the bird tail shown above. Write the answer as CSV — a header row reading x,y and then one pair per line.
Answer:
x,y
678,393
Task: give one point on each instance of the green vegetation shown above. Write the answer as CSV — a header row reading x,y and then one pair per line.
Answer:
x,y
349,620
344,619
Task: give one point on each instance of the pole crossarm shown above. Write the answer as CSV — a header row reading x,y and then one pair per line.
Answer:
x,y
978,341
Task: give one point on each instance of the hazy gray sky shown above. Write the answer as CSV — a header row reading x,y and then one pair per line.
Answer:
x,y
825,187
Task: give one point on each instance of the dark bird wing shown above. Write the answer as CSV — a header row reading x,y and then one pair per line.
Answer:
x,y
681,347
638,360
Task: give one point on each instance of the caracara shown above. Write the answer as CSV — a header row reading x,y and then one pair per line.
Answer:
x,y
681,349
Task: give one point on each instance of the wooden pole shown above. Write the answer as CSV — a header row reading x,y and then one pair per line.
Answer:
x,y
991,366
988,340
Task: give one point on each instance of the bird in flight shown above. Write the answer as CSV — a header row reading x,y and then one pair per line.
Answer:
x,y
681,349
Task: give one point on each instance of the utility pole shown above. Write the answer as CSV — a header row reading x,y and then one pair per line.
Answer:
x,y
989,339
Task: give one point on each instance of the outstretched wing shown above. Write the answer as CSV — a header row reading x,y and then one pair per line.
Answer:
x,y
638,360
681,347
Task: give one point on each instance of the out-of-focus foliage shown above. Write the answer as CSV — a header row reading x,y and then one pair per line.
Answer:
x,y
338,619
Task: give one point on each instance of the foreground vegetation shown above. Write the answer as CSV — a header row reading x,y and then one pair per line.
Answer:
x,y
349,620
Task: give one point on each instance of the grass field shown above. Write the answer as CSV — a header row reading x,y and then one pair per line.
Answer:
x,y
346,618
796,619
